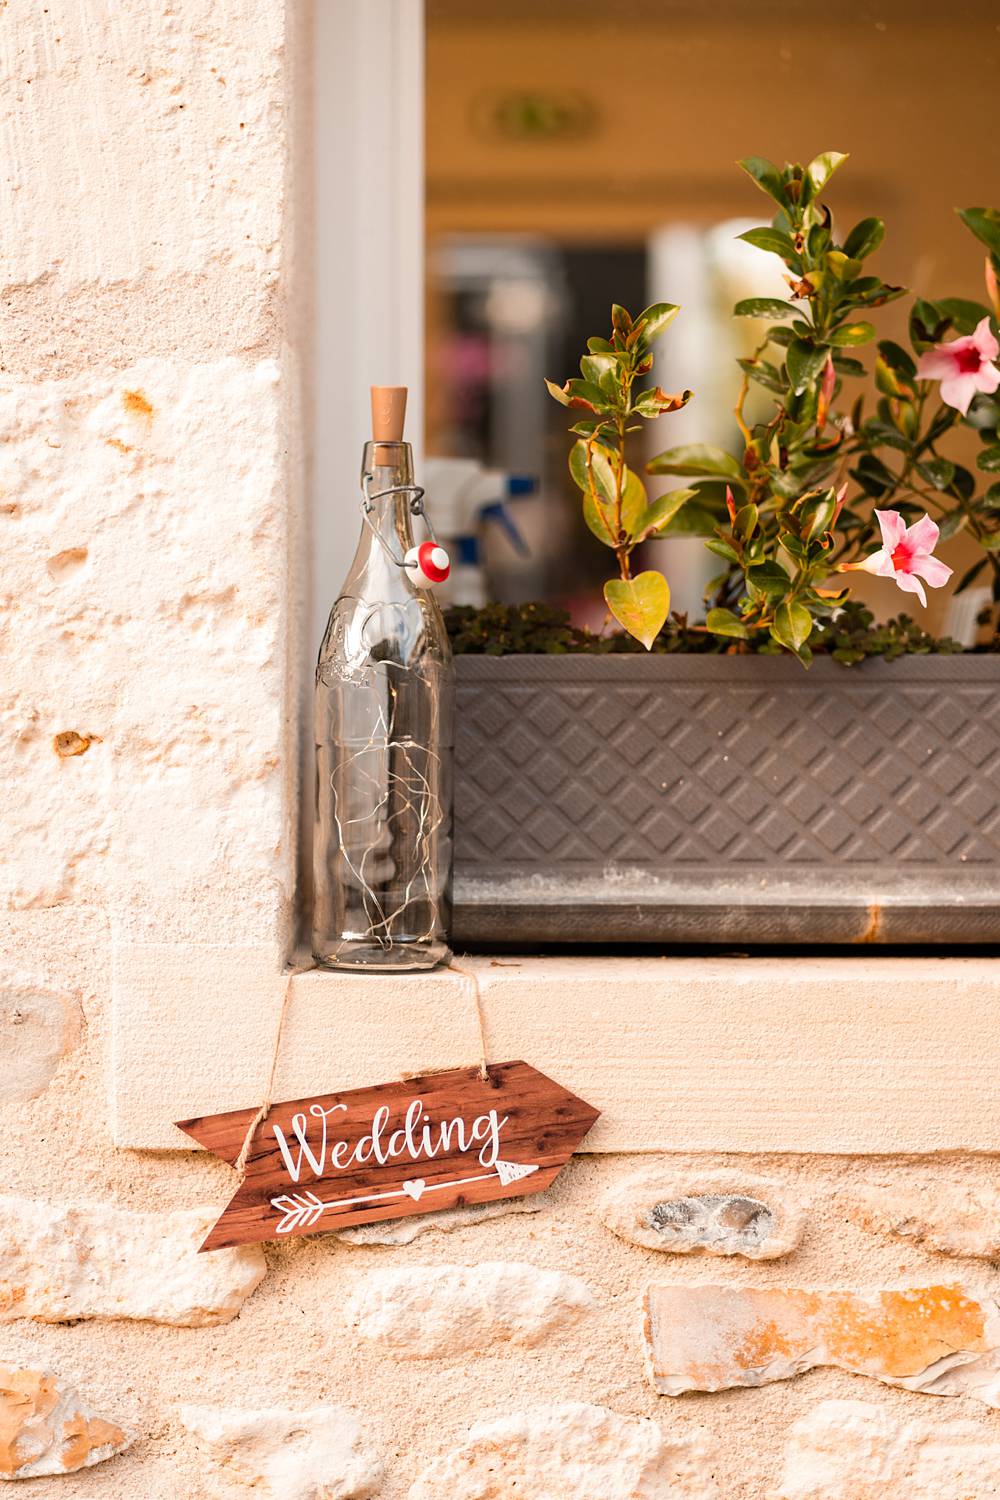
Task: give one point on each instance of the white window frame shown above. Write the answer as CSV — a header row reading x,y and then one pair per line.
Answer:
x,y
368,83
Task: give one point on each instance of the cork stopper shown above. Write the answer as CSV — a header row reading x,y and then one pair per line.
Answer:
x,y
388,413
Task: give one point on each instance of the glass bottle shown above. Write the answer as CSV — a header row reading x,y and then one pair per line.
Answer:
x,y
382,839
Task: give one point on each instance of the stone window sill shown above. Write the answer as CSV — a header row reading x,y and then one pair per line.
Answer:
x,y
850,1054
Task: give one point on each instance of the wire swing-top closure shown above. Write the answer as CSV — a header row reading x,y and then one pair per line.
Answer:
x,y
427,563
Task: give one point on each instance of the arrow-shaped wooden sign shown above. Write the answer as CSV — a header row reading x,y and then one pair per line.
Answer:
x,y
437,1141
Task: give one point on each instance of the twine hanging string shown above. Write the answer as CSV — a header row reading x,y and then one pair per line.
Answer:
x,y
265,1109
470,981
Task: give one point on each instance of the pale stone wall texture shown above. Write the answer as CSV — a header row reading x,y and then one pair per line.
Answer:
x,y
842,1310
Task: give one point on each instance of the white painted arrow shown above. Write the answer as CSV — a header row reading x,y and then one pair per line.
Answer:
x,y
299,1210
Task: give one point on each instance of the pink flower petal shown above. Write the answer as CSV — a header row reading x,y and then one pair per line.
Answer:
x,y
933,571
923,535
937,364
892,527
958,391
879,563
988,379
984,340
910,584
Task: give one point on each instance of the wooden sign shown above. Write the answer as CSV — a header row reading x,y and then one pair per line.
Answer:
x,y
438,1141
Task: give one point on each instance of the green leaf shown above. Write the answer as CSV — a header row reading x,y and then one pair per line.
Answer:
x,y
985,225
599,497
654,403
659,512
842,266
873,476
585,394
640,605
697,458
864,238
927,323
600,470
852,333
557,392
769,579
822,168
764,374
792,625
764,307
953,524
746,520
772,240
970,575
984,413
988,459
656,318
597,367
963,315
767,177
804,363
724,622
816,515
722,549
693,519
879,433
938,472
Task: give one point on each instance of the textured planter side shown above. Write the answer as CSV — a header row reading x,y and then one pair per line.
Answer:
x,y
736,800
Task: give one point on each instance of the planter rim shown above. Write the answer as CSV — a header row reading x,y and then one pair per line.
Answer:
x,y
967,667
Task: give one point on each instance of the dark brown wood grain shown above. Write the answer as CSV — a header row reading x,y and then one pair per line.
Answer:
x,y
542,1125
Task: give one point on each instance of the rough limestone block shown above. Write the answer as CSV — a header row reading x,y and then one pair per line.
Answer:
x,y
955,1218
405,1231
937,1339
420,1312
316,1454
715,1213
59,1262
569,1452
126,104
169,683
852,1450
46,1428
37,1028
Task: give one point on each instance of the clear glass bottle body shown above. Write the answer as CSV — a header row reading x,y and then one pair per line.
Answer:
x,y
382,838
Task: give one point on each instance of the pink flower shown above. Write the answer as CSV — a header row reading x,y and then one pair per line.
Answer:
x,y
963,367
905,554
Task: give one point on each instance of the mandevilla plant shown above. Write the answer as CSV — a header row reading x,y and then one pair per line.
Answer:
x,y
615,504
818,483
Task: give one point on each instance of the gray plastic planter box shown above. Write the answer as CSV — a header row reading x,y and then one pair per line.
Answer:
x,y
734,800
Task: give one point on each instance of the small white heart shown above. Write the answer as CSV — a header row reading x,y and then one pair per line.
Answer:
x,y
414,1188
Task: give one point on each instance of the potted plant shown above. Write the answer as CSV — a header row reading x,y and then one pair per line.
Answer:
x,y
689,781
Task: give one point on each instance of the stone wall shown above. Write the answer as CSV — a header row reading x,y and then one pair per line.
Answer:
x,y
842,1311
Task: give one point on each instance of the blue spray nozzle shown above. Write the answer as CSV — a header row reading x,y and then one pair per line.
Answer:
x,y
498,512
521,484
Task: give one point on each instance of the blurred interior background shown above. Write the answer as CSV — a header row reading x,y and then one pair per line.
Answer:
x,y
579,154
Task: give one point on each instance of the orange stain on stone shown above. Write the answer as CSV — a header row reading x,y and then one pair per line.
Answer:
x,y
28,1399
713,1337
137,403
81,1435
